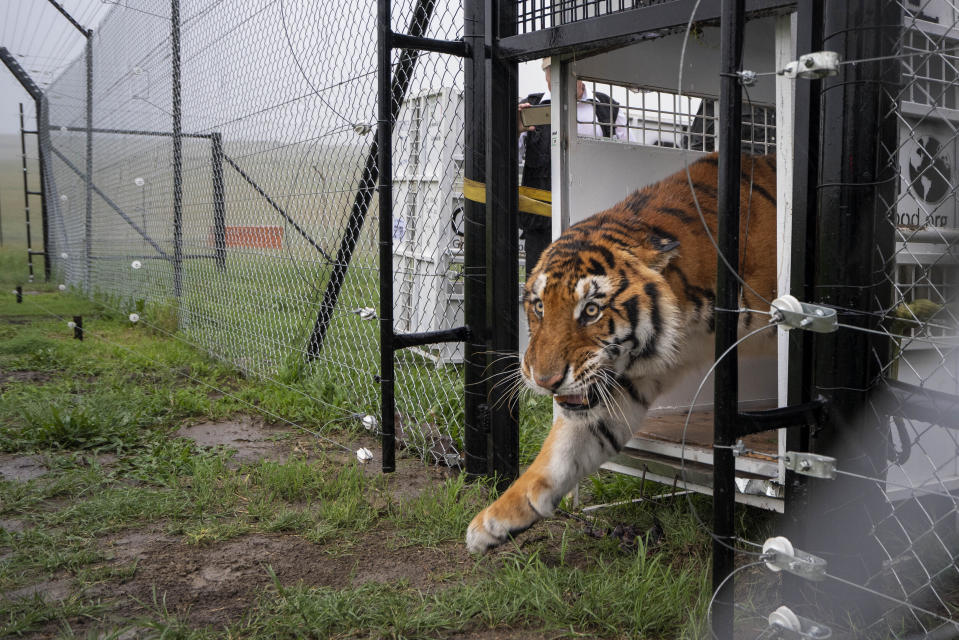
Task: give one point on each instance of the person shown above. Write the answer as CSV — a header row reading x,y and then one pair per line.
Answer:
x,y
596,116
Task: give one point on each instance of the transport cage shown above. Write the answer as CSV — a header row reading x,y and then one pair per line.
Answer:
x,y
428,219
657,120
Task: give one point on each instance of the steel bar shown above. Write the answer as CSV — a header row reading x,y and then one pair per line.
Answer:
x,y
273,204
130,132
384,138
88,220
79,27
20,74
732,25
402,75
502,232
26,195
809,22
219,200
175,63
42,169
450,47
405,340
476,427
109,202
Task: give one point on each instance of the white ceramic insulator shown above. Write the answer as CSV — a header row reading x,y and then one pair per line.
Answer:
x,y
785,618
788,303
136,264
134,317
62,287
364,455
64,255
369,422
781,545
72,324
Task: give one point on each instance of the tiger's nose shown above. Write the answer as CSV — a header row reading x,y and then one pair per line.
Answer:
x,y
551,382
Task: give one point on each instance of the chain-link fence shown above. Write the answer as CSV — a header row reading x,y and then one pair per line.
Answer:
x,y
227,178
879,512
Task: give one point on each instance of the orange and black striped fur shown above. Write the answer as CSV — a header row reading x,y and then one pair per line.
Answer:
x,y
618,307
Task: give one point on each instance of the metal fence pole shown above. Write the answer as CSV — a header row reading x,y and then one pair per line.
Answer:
x,y
44,214
476,427
805,176
502,234
177,151
26,193
727,297
88,225
219,202
384,137
857,182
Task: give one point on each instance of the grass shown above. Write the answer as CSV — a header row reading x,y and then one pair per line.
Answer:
x,y
102,416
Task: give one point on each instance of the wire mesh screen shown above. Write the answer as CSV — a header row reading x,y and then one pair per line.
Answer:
x,y
655,117
918,532
884,524
255,226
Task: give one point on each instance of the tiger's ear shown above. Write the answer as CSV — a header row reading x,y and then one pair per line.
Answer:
x,y
665,248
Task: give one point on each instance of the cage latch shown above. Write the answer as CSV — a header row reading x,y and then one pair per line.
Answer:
x,y
819,64
810,464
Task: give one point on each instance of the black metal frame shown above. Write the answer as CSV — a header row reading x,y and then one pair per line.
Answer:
x,y
623,27
31,88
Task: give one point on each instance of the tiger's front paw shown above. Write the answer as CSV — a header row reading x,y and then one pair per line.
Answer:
x,y
509,516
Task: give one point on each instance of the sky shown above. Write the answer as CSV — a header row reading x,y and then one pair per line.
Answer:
x,y
43,41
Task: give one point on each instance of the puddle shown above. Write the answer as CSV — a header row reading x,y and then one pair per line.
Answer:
x,y
251,439
21,468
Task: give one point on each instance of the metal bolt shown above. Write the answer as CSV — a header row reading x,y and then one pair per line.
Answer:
x,y
805,465
809,62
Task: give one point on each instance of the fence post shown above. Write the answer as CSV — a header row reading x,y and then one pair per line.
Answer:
x,y
476,428
44,213
727,297
26,193
177,151
502,234
854,242
88,225
219,203
805,176
384,140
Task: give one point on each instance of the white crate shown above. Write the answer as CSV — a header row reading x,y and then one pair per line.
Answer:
x,y
427,191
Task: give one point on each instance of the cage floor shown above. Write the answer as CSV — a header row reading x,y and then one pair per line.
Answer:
x,y
669,428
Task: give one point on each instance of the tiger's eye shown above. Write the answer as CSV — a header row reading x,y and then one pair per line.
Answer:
x,y
538,307
591,310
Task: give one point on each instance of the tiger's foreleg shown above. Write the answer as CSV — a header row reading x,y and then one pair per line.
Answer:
x,y
576,447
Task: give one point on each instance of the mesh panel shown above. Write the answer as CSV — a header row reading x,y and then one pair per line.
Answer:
x,y
274,263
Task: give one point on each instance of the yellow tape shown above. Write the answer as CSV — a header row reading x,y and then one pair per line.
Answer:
x,y
535,201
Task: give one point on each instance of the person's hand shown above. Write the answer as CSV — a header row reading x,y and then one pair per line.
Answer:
x,y
520,129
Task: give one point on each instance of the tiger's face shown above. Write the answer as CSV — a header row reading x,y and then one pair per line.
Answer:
x,y
599,320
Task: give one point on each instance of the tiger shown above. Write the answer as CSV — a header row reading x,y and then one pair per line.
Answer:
x,y
620,307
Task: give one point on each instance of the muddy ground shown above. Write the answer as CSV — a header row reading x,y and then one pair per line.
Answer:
x,y
216,584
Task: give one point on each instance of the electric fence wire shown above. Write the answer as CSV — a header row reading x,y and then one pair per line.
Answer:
x,y
689,178
682,450
174,370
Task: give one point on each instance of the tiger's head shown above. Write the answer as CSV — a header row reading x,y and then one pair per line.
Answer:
x,y
601,314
